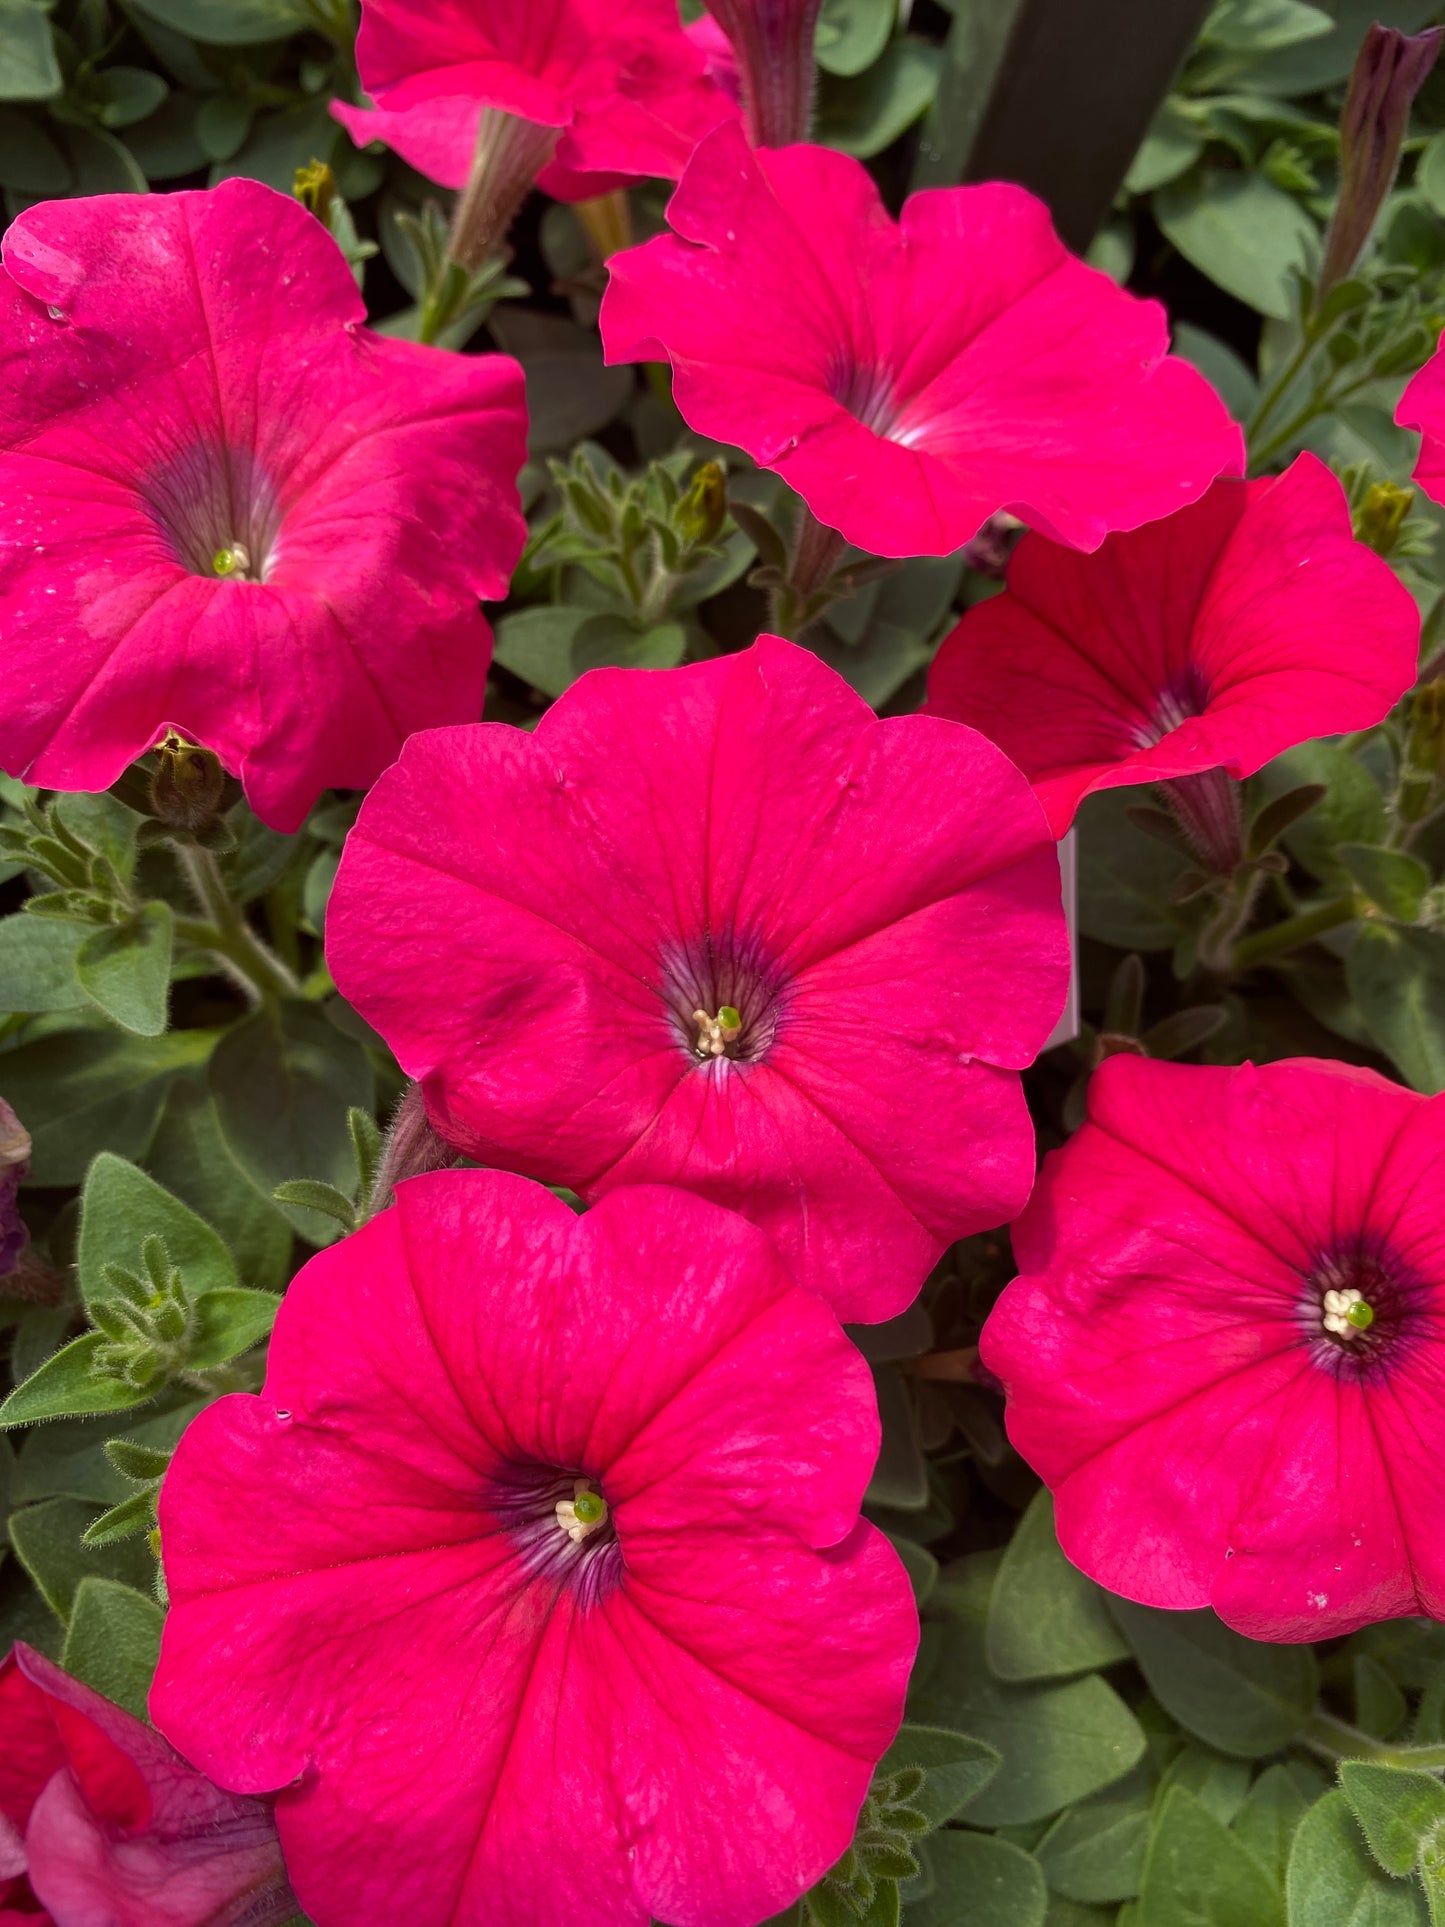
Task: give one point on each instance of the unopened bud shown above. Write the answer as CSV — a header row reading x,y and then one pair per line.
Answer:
x,y
1381,516
314,187
188,785
702,511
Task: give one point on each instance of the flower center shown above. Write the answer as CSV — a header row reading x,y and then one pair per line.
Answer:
x,y
867,394
217,511
1184,697
1358,1306
560,1525
724,999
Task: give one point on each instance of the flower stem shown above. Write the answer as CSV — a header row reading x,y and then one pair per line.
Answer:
x,y
227,934
1294,932
816,549
1336,1739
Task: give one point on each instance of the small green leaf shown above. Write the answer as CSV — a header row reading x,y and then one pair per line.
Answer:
x,y
1196,1871
144,1463
1267,1821
863,115
124,95
228,23
314,1196
1046,1620
851,34
1095,1851
980,1881
1401,1812
1239,1695
900,1478
133,1515
1380,1707
536,644
69,1386
955,1765
1246,234
37,963
1351,811
125,968
1392,879
1397,978
919,1563
229,1322
28,67
113,1642
47,1542
1171,147
1334,1882
120,1208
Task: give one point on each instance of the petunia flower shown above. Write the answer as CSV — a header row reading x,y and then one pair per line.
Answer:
x,y
102,1824
585,94
534,1578
910,379
230,509
1222,1353
1216,638
1422,407
720,927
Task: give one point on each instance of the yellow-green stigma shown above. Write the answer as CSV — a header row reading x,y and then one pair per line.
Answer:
x,y
234,561
714,1034
583,1514
1346,1313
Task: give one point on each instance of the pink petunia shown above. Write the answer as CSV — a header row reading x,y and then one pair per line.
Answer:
x,y
909,379
535,1576
1219,637
102,1824
230,509
1221,1352
1422,407
720,927
615,89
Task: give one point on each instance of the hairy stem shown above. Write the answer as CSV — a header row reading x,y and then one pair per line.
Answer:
x,y
227,934
1294,932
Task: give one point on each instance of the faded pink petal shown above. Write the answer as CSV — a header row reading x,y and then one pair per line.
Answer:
x,y
375,1611
911,379
624,85
188,372
531,920
118,1831
1218,637
1208,1440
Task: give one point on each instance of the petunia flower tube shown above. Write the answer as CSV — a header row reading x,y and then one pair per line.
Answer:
x,y
1216,638
910,379
720,927
1222,1351
1422,407
102,1824
582,94
231,509
534,1579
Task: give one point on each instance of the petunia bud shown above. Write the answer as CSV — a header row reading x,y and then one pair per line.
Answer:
x,y
773,41
1390,70
314,186
188,785
703,510
1381,516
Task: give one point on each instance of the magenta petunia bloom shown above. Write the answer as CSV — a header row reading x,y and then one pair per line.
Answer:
x,y
535,1575
102,1824
720,927
1219,637
615,89
1422,407
231,509
1221,1352
910,379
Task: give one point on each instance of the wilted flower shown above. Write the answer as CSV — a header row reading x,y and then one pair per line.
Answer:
x,y
1222,1353
719,927
1215,638
535,1578
232,510
102,1824
908,380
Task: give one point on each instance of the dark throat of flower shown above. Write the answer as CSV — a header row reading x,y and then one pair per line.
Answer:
x,y
560,1524
218,512
1359,1308
723,998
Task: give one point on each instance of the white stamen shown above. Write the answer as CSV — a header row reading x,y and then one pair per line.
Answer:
x,y
713,1035
579,1529
1336,1306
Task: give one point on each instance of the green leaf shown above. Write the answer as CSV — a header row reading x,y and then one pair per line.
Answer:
x,y
536,644
1430,172
113,1642
222,124
1392,879
283,1081
1245,233
1219,1784
1172,146
1397,978
900,1478
69,1386
1380,1707
1267,1821
1198,1874
1305,68
191,1158
605,641
120,1208
230,1322
30,161
127,94
1352,811
1239,1695
1218,363
1095,1851
851,34
228,23
133,1515
125,968
92,1089
1401,1812
920,1565
318,1197
1126,878
28,67
1334,1882
957,1767
1046,1619
37,963
980,1882
1058,1743
863,115
47,1542
1263,26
